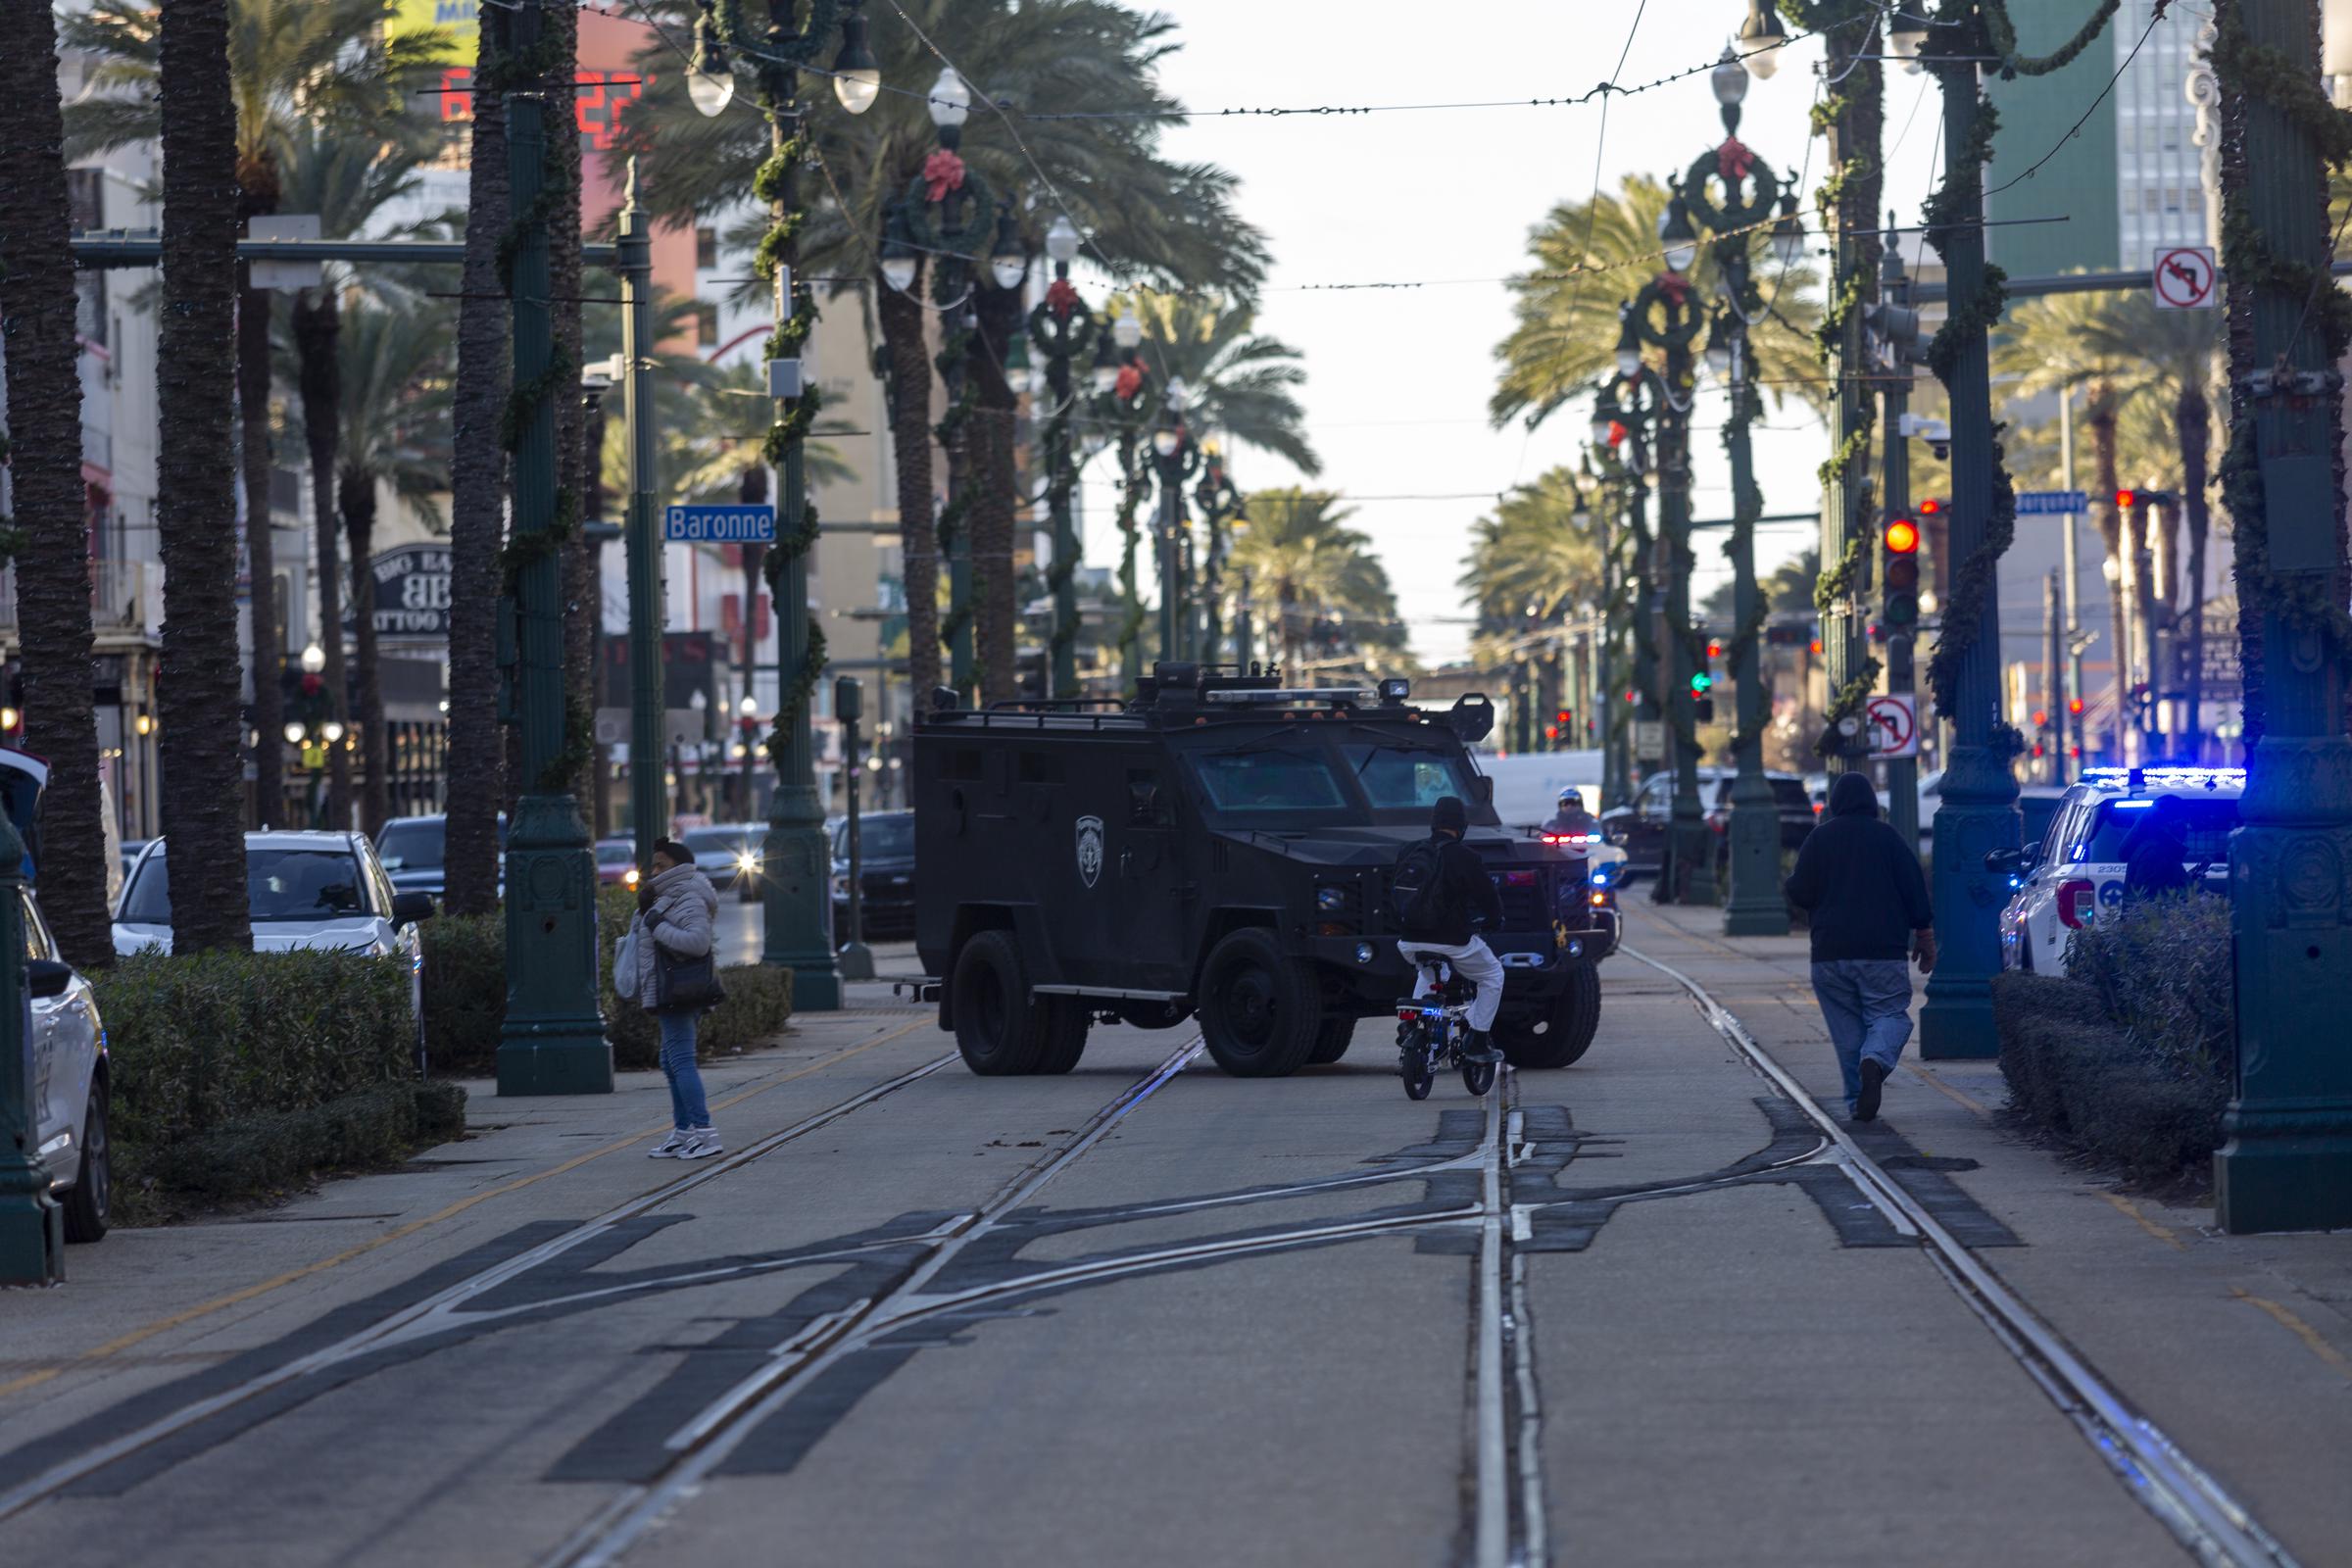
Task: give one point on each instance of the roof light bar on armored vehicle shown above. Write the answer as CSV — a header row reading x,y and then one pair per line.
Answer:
x,y
1294,695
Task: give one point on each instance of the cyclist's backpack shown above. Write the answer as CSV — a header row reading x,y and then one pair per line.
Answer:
x,y
1416,896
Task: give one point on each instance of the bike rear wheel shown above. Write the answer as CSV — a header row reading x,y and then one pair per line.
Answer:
x,y
1413,1063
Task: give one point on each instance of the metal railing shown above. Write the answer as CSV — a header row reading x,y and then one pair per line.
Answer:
x,y
124,594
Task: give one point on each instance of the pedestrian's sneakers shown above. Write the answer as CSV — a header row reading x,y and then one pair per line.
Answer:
x,y
674,1147
701,1143
1866,1104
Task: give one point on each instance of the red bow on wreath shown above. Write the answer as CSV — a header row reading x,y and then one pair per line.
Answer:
x,y
1061,298
311,685
1676,287
1617,434
943,171
1130,381
1733,159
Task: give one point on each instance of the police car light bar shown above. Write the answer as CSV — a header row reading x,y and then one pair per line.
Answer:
x,y
2176,777
1293,695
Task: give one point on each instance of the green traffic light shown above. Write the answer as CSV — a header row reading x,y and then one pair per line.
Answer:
x,y
1701,681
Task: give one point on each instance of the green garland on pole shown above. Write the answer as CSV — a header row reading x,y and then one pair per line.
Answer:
x,y
2003,35
2304,601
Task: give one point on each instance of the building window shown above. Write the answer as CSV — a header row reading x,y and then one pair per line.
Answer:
x,y
706,249
705,324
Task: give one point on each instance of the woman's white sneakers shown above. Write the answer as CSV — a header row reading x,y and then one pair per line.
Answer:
x,y
687,1142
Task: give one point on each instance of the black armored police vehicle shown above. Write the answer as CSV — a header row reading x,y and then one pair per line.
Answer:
x,y
1220,848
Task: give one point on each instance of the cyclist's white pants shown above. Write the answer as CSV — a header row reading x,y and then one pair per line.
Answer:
x,y
1475,963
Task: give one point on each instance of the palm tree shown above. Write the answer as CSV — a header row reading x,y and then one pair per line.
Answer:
x,y
396,365
474,772
1242,385
44,450
1530,553
1588,256
346,179
1161,221
297,68
1332,594
195,499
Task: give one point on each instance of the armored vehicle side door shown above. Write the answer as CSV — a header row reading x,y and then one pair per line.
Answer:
x,y
1152,893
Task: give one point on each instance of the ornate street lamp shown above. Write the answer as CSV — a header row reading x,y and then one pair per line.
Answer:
x,y
1061,326
1762,40
1123,399
1179,459
1749,195
796,864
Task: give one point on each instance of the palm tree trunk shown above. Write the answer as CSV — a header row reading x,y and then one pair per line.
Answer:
x,y
261,545
2192,419
318,329
2099,411
563,34
44,423
476,765
196,496
356,488
900,315
989,438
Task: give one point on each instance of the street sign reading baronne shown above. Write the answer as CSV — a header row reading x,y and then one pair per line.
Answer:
x,y
732,525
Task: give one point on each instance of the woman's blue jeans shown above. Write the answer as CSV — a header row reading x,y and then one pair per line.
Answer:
x,y
687,1108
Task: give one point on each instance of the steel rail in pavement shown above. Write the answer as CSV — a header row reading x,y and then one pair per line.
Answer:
x,y
396,1325
2214,1526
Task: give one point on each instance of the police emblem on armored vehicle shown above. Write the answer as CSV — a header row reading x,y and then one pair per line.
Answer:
x,y
1090,848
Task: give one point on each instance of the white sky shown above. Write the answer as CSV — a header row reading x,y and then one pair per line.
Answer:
x,y
1399,380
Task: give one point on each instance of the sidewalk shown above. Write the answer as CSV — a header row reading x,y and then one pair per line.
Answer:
x,y
2239,1347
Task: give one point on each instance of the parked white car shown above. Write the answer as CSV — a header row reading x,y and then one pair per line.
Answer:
x,y
69,1081
2075,874
328,891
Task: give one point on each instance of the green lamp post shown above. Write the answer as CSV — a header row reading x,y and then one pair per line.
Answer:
x,y
796,883
1061,328
1749,195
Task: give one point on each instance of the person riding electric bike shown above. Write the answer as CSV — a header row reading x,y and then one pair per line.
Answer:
x,y
1440,885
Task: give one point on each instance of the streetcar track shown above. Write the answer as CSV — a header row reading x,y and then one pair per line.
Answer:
x,y
411,1322
2208,1522
705,1440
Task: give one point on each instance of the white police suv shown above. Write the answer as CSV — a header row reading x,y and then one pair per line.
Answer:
x,y
2075,874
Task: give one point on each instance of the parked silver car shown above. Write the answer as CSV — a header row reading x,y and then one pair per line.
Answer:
x,y
303,889
69,1081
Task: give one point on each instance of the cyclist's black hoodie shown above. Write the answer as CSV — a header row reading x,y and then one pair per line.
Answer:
x,y
1858,880
1463,886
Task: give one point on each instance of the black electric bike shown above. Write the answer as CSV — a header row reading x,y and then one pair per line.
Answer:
x,y
1434,1032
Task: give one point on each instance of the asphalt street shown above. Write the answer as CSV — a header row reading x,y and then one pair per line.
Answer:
x,y
1643,1311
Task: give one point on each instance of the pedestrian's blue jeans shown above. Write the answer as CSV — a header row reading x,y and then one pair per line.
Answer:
x,y
687,1108
1867,1005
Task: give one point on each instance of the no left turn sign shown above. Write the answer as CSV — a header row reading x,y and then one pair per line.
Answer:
x,y
1893,722
2185,277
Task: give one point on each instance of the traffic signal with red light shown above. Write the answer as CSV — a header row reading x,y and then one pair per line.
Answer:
x,y
1930,506
1900,577
2074,706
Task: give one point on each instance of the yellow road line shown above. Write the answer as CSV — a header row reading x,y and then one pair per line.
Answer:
x,y
1940,1087
2300,1330
2163,1233
248,1293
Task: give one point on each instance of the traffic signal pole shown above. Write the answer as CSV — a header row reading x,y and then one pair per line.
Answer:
x,y
2287,1162
1902,772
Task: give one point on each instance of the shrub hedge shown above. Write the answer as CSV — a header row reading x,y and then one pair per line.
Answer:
x,y
234,1073
2129,1059
465,995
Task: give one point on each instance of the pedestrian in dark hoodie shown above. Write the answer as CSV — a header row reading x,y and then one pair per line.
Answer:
x,y
1861,886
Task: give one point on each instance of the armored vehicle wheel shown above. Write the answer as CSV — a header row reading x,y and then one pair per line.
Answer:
x,y
1067,1020
1331,1042
1567,1033
1258,1009
1000,1027
1478,1076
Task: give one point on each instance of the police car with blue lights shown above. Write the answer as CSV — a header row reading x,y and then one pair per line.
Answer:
x,y
1218,849
2075,875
